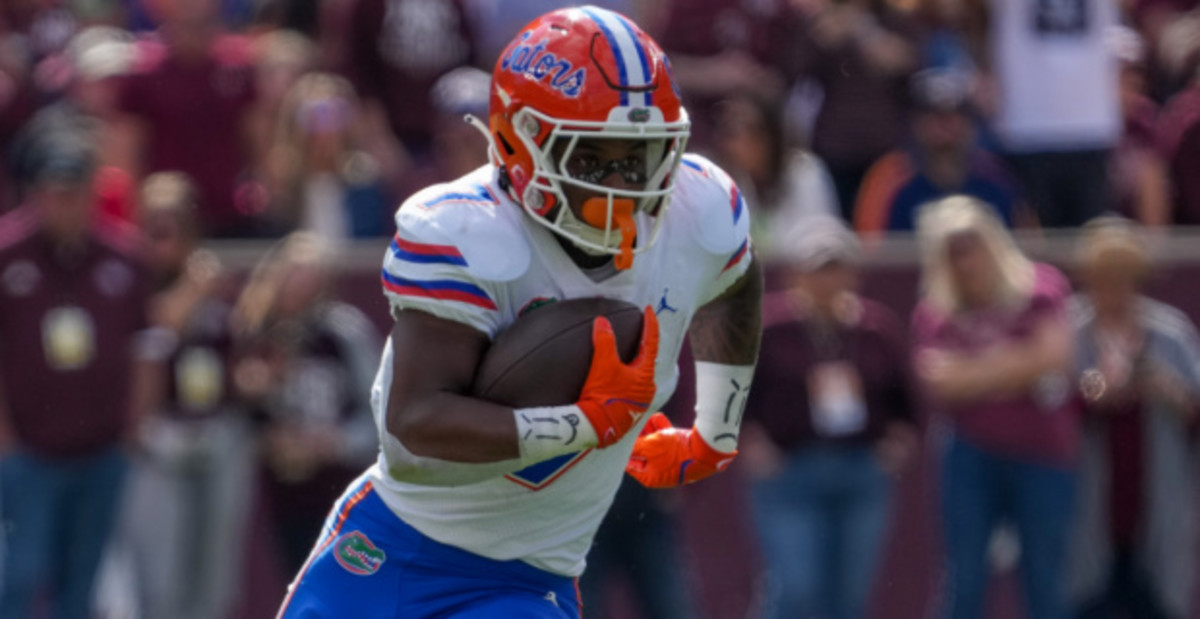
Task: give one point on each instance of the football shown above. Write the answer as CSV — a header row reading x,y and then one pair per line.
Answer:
x,y
544,357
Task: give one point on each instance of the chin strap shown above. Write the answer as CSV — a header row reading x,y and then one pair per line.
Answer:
x,y
493,154
595,214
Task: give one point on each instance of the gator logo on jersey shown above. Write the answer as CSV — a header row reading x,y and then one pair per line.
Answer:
x,y
544,473
535,303
357,554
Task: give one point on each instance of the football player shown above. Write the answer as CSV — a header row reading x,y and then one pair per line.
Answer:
x,y
478,510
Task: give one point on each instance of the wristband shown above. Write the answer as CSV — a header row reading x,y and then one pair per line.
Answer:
x,y
550,431
721,392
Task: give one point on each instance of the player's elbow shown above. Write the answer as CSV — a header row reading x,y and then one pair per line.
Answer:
x,y
404,466
410,425
401,450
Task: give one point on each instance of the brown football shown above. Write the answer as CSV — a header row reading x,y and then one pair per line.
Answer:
x,y
544,357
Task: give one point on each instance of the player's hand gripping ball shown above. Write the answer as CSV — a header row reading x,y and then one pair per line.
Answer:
x,y
616,395
572,352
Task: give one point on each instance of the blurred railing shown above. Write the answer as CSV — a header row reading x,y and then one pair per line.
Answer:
x,y
1174,246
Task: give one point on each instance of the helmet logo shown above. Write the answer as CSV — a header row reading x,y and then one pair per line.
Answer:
x,y
535,62
639,115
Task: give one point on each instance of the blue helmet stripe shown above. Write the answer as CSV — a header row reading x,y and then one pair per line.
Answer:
x,y
641,52
616,49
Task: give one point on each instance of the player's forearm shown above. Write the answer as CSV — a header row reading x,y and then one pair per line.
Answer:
x,y
456,428
728,329
412,458
449,453
725,340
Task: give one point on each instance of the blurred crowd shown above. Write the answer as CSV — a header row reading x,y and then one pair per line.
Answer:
x,y
170,427
299,114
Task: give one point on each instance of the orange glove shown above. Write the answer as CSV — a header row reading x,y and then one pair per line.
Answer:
x,y
665,456
616,395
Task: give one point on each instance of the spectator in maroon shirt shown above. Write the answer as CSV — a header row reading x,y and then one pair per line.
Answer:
x,y
1183,173
1179,141
188,109
720,48
72,311
1166,24
994,354
862,54
397,50
1141,189
830,419
1135,531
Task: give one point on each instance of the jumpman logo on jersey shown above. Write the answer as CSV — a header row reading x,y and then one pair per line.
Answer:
x,y
662,304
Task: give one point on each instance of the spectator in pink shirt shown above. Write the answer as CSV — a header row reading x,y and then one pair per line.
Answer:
x,y
993,353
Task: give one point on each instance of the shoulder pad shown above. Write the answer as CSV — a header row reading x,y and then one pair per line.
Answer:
x,y
712,203
468,222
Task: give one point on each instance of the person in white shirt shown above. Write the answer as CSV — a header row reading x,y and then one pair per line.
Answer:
x,y
1057,113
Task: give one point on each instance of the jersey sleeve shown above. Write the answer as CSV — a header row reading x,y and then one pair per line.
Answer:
x,y
427,268
721,220
735,267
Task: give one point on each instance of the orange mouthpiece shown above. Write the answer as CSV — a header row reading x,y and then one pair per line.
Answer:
x,y
595,214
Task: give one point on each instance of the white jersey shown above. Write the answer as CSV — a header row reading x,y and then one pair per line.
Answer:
x,y
1057,75
464,251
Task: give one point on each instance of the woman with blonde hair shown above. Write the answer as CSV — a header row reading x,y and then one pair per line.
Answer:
x,y
1136,527
994,349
